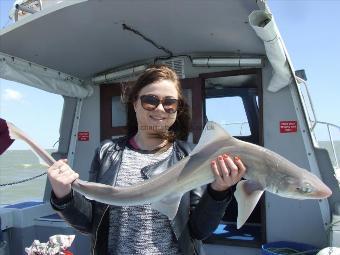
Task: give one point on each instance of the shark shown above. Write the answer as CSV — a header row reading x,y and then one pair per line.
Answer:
x,y
265,171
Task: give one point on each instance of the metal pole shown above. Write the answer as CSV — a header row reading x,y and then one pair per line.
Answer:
x,y
310,103
333,147
73,141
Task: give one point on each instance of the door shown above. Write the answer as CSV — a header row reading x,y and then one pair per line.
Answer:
x,y
234,100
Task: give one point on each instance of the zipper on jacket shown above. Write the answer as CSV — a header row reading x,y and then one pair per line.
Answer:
x,y
193,246
101,219
95,239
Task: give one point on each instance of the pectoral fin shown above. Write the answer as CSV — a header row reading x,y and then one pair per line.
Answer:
x,y
168,206
247,195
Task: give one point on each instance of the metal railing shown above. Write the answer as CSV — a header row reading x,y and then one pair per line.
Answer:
x,y
307,104
331,139
236,123
313,122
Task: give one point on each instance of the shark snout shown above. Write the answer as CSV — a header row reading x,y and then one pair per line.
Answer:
x,y
324,192
321,189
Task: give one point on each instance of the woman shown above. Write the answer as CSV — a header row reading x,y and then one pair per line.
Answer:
x,y
158,122
5,139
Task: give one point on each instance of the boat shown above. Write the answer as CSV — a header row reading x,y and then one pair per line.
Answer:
x,y
225,53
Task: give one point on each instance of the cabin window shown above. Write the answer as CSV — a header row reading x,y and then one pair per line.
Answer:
x,y
38,114
118,112
230,114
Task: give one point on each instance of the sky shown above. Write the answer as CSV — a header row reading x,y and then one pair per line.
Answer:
x,y
36,112
309,29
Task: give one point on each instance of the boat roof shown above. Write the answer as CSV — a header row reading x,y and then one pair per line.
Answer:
x,y
88,37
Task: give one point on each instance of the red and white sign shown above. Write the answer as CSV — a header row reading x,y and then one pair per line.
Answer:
x,y
83,136
288,126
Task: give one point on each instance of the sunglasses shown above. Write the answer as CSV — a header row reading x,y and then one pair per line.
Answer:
x,y
151,102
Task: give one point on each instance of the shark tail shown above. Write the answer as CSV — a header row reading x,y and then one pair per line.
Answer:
x,y
16,134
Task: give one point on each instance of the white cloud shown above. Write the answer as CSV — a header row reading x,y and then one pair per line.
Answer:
x,y
13,95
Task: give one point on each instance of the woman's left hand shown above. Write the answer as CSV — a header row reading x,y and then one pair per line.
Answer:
x,y
228,171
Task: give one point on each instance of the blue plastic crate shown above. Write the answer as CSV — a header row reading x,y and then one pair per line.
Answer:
x,y
285,248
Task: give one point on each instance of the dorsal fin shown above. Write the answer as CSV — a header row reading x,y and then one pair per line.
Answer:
x,y
212,132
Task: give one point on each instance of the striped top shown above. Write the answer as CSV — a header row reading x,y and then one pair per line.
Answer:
x,y
139,229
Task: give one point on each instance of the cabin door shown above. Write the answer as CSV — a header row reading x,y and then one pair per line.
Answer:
x,y
234,100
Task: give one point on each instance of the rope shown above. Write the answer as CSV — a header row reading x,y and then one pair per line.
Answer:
x,y
22,181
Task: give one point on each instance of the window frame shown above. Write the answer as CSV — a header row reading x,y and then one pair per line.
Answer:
x,y
254,113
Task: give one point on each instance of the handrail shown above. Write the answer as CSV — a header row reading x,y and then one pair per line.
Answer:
x,y
235,123
331,139
312,123
330,124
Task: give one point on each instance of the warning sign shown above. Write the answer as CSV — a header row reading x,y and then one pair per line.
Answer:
x,y
83,136
288,126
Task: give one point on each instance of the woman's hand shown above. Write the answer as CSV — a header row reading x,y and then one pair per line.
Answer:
x,y
227,172
61,176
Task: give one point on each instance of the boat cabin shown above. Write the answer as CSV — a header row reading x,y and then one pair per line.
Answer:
x,y
234,68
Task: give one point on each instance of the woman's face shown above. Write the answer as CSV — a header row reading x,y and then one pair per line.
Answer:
x,y
153,121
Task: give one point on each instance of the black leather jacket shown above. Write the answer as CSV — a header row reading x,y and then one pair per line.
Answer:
x,y
198,215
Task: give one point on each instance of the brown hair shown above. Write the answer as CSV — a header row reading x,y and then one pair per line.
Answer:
x,y
180,129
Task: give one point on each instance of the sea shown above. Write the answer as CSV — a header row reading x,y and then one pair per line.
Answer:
x,y
18,169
